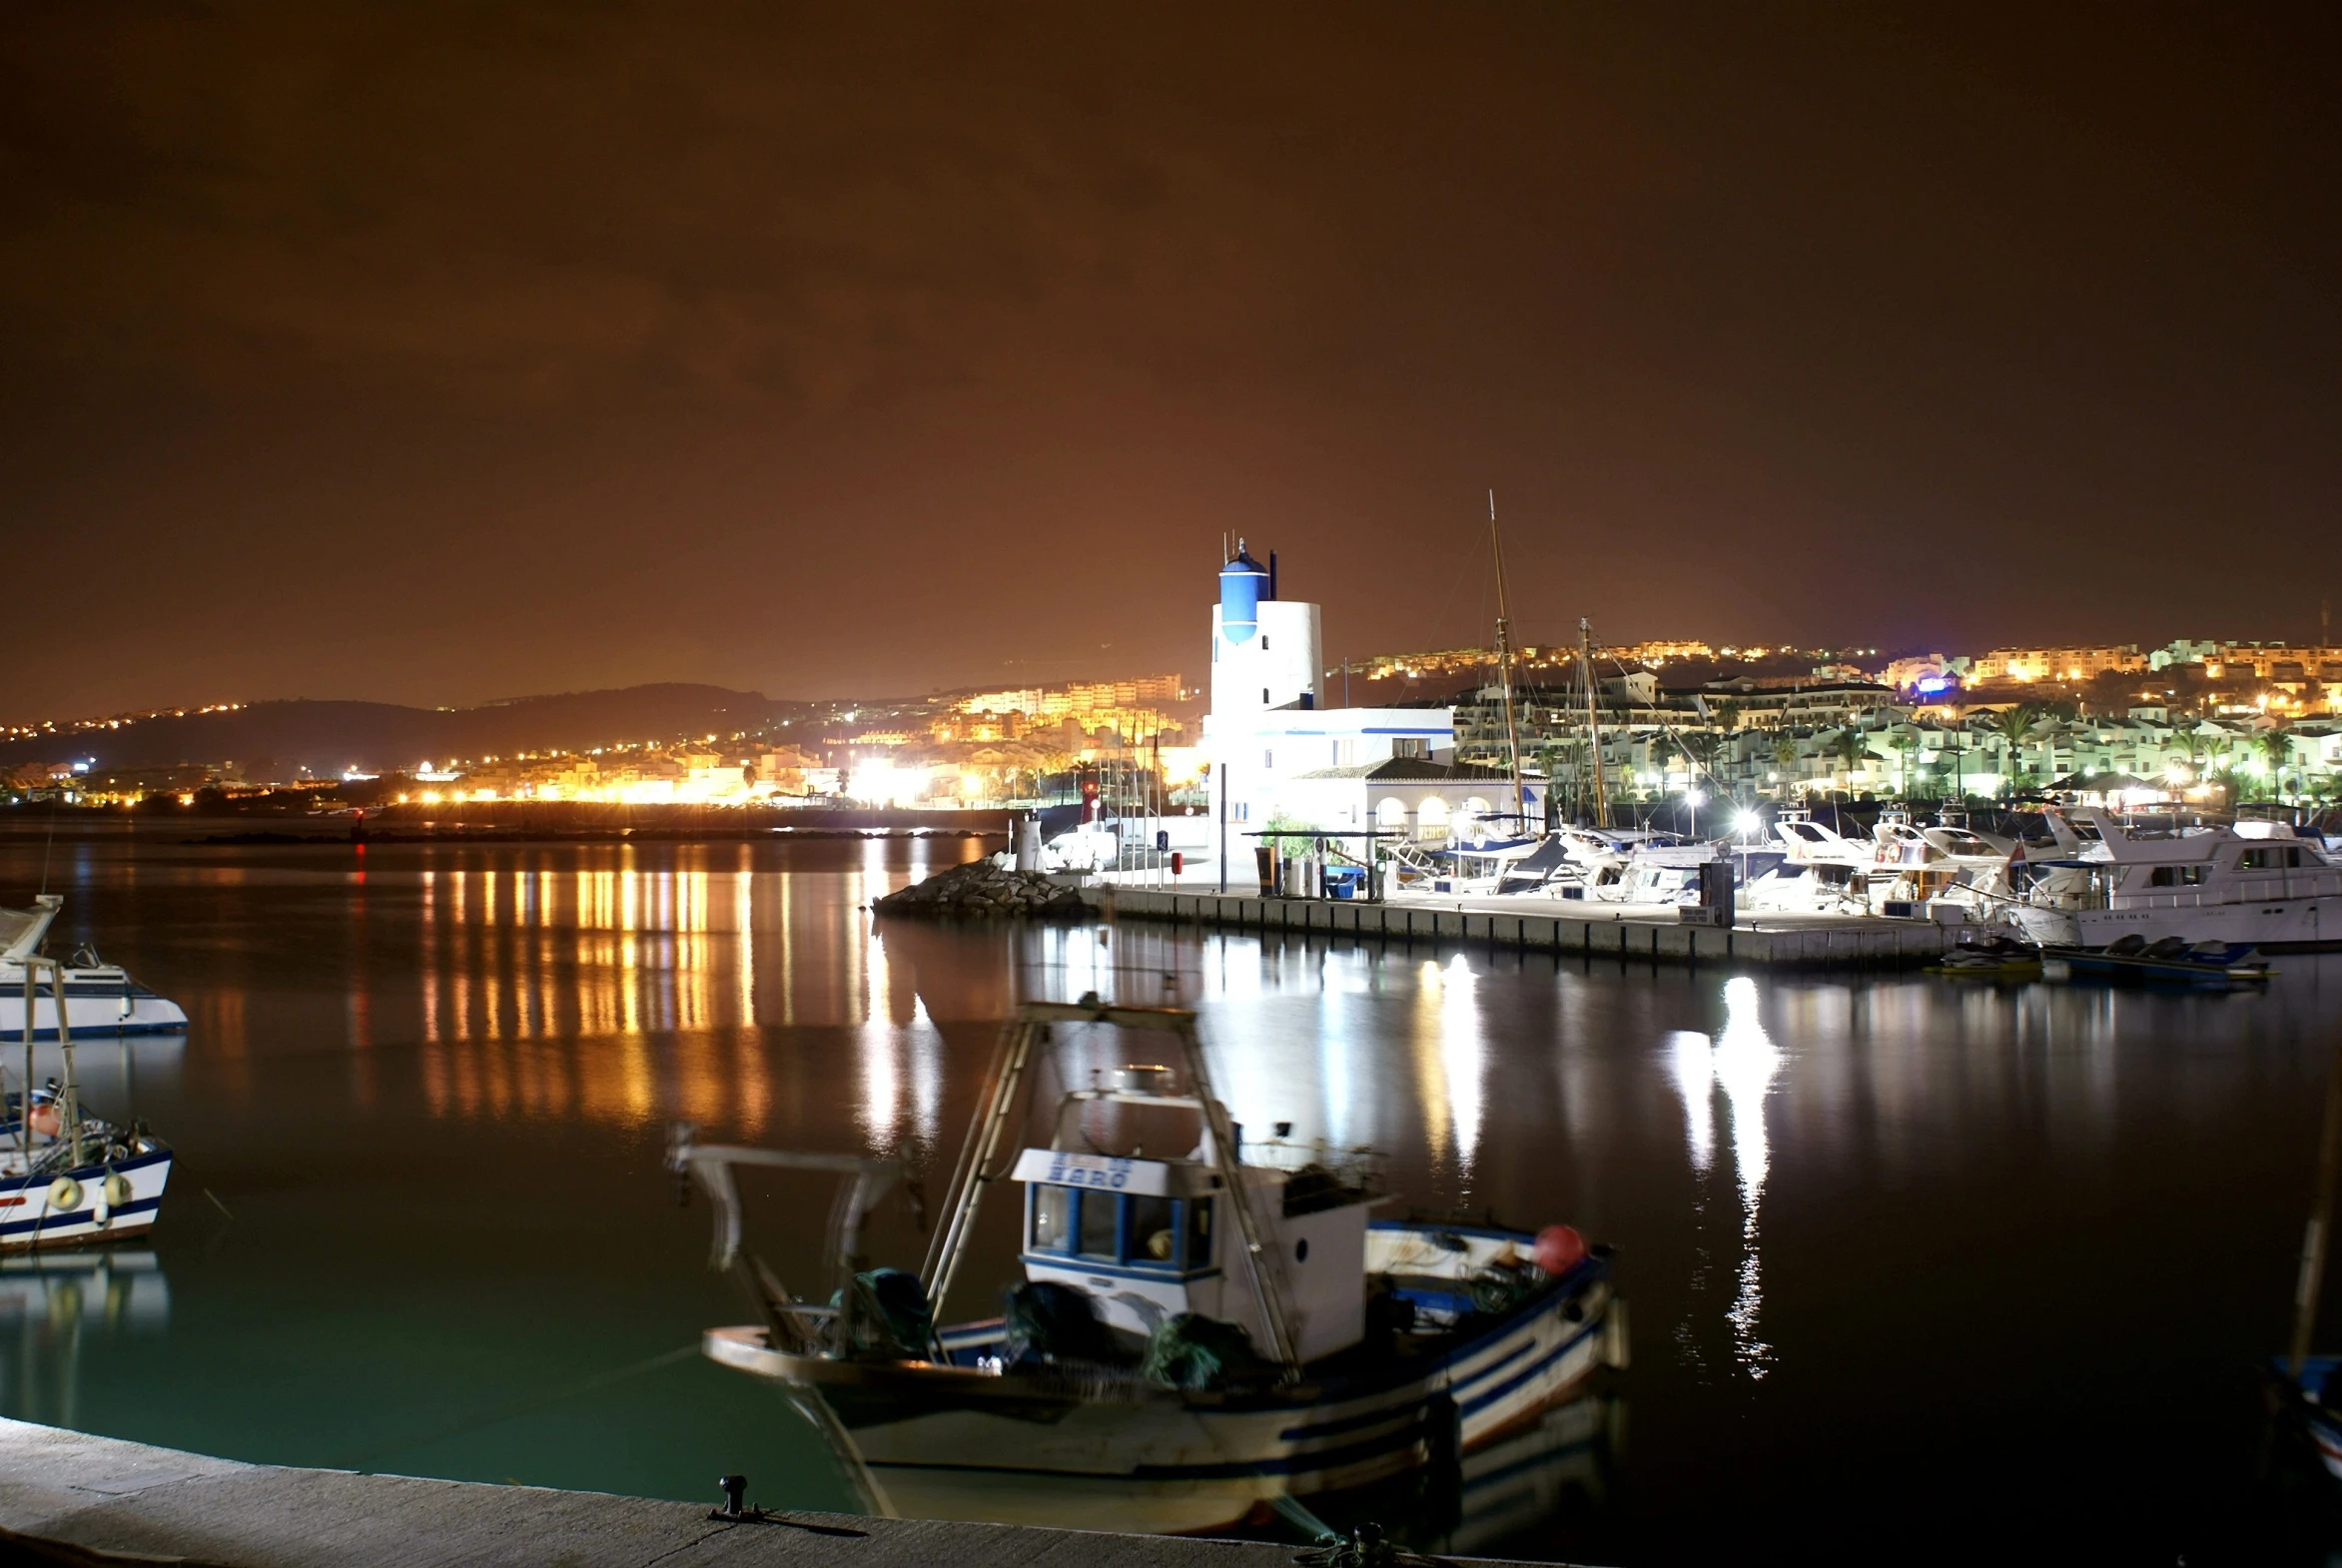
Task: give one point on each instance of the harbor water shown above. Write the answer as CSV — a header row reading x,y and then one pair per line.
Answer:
x,y
1917,1267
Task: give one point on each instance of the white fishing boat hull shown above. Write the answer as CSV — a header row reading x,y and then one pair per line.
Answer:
x,y
51,1210
98,1003
954,1443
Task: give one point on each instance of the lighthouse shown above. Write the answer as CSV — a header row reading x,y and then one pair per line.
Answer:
x,y
1265,650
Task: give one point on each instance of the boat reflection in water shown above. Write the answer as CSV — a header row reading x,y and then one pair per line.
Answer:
x,y
51,1304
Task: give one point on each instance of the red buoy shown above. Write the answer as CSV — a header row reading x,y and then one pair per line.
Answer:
x,y
1560,1249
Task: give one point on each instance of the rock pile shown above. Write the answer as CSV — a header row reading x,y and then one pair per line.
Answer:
x,y
981,888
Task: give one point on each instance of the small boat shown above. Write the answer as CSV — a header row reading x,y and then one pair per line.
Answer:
x,y
2172,960
99,998
1991,957
65,1175
1193,1337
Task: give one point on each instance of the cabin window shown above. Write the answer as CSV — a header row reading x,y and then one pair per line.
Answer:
x,y
2177,877
1198,1234
1053,1217
1101,1224
1154,1232
2261,859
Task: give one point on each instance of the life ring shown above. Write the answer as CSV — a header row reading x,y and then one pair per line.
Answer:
x,y
116,1188
64,1194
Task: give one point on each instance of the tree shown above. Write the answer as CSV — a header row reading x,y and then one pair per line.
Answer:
x,y
2014,725
2276,748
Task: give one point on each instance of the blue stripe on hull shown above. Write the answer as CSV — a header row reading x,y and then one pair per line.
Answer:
x,y
83,1031
81,1216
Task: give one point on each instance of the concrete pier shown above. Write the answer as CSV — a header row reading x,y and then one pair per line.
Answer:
x,y
68,1497
1542,926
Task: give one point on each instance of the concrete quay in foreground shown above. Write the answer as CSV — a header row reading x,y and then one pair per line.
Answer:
x,y
68,1497
1537,926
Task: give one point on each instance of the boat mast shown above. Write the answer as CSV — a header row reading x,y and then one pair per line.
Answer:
x,y
2321,1221
1593,723
1513,739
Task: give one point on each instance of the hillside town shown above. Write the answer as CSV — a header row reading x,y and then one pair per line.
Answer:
x,y
2209,723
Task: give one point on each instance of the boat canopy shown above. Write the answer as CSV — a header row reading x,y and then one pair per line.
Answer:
x,y
20,930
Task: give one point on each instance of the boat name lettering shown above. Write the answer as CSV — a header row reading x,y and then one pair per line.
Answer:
x,y
1088,1171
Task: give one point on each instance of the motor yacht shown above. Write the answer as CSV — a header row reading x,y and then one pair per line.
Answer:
x,y
99,998
2266,889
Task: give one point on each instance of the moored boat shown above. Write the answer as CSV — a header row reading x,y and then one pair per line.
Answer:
x,y
1991,956
1192,1336
2252,884
2171,960
99,998
66,1175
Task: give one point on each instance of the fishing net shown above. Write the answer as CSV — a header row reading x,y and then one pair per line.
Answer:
x,y
1197,1354
891,1315
1048,1322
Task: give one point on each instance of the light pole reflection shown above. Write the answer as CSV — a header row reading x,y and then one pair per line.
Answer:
x,y
1743,1062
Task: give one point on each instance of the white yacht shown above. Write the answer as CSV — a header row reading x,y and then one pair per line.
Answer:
x,y
99,998
1918,865
2262,889
1826,872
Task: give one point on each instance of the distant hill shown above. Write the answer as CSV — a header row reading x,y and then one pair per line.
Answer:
x,y
326,737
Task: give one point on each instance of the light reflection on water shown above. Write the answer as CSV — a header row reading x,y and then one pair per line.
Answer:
x,y
430,1087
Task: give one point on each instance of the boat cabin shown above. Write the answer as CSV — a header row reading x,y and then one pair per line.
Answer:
x,y
1147,1239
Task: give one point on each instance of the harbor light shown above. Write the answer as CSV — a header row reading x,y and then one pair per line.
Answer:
x,y
1747,822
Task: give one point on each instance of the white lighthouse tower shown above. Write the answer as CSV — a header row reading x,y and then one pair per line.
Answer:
x,y
1265,650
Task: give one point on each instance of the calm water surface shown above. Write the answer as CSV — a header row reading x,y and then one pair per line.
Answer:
x,y
1916,1266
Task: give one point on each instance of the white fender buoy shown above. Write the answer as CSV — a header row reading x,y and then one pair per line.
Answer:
x,y
65,1193
116,1188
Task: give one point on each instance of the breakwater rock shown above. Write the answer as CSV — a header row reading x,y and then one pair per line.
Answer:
x,y
981,888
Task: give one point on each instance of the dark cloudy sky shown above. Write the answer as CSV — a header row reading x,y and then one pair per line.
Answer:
x,y
445,352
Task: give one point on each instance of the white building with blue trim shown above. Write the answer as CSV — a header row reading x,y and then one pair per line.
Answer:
x,y
1278,753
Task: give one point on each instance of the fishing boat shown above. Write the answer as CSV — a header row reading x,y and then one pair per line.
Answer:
x,y
99,998
66,1175
1192,1339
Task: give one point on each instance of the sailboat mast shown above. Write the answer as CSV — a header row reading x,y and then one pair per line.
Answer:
x,y
1513,739
1593,723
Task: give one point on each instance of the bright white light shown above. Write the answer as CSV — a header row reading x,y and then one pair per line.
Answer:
x,y
1695,798
1746,821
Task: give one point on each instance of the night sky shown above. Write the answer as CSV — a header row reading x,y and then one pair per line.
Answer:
x,y
441,353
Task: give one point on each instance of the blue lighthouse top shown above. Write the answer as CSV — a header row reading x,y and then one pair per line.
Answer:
x,y
1242,582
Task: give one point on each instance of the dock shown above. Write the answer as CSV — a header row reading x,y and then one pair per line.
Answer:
x,y
1534,925
71,1498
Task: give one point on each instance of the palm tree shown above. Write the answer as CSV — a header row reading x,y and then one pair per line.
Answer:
x,y
2277,749
2014,725
1850,746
